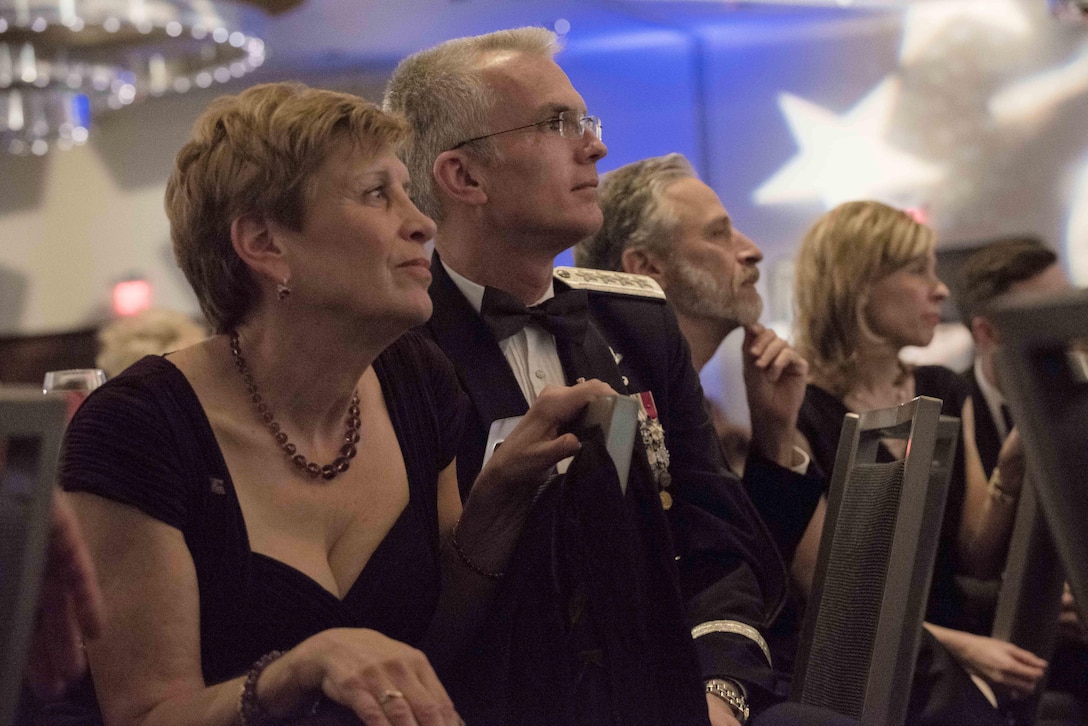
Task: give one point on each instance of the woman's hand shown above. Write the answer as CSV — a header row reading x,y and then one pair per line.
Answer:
x,y
147,665
382,681
995,660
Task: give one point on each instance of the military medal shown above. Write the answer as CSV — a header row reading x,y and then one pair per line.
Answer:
x,y
653,440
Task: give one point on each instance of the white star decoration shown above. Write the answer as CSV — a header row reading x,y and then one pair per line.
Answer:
x,y
1031,98
924,22
845,157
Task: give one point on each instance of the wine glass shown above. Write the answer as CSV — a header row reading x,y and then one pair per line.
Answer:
x,y
75,383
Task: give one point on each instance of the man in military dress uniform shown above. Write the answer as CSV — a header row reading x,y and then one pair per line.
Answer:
x,y
504,158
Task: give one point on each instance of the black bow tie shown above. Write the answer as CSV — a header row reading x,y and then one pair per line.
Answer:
x,y
563,315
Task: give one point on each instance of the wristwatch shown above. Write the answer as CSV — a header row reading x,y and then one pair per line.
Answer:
x,y
732,694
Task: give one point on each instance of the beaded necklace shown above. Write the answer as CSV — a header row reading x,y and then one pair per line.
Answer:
x,y
351,436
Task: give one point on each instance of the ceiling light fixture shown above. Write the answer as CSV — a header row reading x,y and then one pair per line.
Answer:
x,y
62,61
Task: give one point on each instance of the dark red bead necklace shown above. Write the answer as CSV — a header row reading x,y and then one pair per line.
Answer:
x,y
351,437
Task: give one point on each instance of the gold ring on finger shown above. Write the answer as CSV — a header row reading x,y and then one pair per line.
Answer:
x,y
388,695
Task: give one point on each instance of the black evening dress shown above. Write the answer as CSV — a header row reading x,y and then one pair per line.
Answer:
x,y
144,440
820,421
942,694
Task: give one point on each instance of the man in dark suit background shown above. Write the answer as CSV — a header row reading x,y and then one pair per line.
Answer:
x,y
1016,266
504,158
1005,267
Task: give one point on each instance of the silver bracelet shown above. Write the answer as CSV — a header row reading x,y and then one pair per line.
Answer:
x,y
733,696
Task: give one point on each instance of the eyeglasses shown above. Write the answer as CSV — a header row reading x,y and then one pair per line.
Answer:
x,y
568,124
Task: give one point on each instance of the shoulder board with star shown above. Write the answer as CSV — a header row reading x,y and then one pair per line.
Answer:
x,y
621,283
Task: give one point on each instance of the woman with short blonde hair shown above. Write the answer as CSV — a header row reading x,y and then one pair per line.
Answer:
x,y
866,286
843,251
274,511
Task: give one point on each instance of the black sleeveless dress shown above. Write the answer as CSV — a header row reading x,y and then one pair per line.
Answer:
x,y
143,440
820,421
941,693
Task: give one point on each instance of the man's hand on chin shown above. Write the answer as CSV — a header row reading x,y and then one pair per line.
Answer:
x,y
774,376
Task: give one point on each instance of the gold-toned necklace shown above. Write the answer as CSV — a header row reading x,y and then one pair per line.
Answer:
x,y
351,436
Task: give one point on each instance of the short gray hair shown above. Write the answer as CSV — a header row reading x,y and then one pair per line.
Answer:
x,y
635,215
443,95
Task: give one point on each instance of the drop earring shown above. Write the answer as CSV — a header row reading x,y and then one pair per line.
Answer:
x,y
282,291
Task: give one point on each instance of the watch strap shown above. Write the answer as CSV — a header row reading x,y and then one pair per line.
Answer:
x,y
732,694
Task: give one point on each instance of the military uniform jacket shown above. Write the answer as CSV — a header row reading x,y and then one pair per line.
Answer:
x,y
730,569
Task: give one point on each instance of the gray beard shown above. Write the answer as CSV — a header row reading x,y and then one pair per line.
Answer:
x,y
696,293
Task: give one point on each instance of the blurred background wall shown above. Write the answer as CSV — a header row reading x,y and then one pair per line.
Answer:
x,y
970,111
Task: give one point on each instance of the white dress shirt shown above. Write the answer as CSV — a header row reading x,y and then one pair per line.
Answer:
x,y
531,353
993,400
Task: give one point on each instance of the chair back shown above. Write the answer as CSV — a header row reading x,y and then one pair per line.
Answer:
x,y
1029,599
863,623
1043,366
31,426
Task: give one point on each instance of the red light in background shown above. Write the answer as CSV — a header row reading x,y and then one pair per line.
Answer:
x,y
131,297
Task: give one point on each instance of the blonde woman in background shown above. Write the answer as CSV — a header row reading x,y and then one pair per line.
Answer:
x,y
866,287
